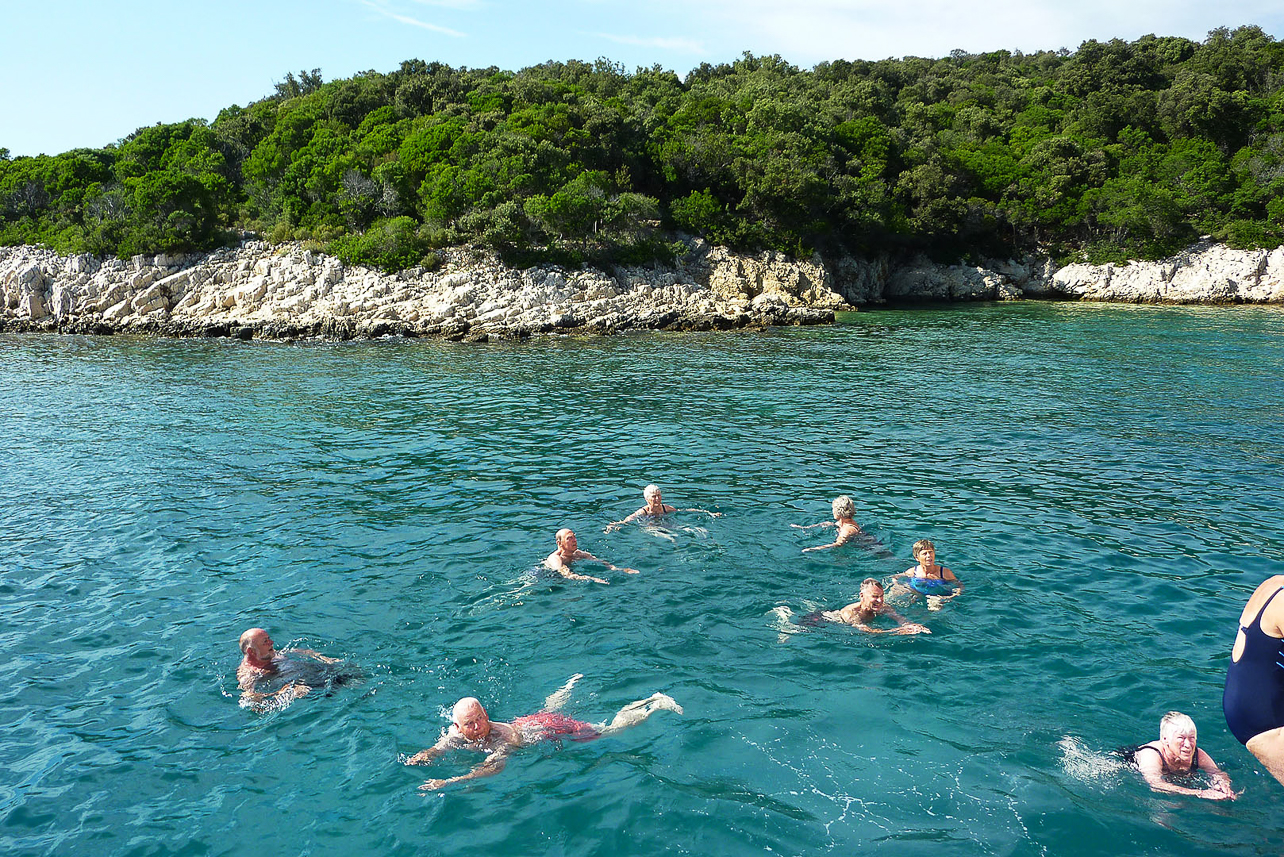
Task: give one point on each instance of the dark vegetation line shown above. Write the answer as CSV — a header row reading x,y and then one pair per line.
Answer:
x,y
1118,150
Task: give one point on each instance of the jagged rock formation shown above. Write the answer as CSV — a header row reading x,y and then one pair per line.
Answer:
x,y
289,291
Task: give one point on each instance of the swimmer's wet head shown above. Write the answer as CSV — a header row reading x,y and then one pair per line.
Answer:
x,y
924,553
470,719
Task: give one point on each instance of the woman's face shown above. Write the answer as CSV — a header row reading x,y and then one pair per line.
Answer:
x,y
1180,742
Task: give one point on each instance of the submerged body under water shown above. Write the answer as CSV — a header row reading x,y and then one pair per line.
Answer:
x,y
1105,481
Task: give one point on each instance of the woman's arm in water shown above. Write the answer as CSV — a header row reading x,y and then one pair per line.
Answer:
x,y
708,512
841,539
812,526
1151,768
615,525
1221,779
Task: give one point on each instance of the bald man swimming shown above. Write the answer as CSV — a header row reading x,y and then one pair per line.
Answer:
x,y
262,663
472,729
568,551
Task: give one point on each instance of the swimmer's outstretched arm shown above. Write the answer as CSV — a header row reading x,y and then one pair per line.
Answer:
x,y
813,526
589,556
444,743
903,625
615,525
843,538
572,575
493,765
556,563
708,512
821,547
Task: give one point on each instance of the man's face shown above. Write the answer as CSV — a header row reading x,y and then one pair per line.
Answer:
x,y
568,543
472,721
261,647
871,597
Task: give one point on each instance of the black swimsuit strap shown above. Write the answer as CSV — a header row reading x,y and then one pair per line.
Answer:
x,y
1194,760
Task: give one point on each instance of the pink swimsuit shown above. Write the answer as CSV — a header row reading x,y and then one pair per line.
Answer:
x,y
549,725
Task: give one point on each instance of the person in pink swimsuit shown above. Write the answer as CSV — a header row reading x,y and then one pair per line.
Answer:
x,y
472,729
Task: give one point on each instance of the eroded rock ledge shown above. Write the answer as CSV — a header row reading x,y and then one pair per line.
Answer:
x,y
290,292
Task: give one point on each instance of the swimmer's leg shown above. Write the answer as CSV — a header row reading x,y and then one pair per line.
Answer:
x,y
635,712
559,697
1268,747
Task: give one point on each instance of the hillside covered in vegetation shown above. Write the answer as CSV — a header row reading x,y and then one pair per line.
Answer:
x,y
1117,150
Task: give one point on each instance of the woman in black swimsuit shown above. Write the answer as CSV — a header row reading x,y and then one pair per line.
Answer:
x,y
1175,754
1254,697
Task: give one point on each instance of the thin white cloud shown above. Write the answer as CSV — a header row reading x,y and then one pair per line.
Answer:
x,y
414,22
665,44
815,30
450,4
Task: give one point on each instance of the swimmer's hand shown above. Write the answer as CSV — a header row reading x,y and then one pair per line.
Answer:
x,y
433,785
610,528
913,628
1218,794
625,570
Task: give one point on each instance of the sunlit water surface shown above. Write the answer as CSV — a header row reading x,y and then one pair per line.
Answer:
x,y
1106,480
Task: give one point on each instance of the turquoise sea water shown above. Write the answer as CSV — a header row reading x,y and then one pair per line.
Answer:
x,y
1106,480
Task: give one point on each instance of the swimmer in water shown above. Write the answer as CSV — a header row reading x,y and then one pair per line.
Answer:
x,y
654,508
472,729
861,613
844,512
1175,754
263,661
936,582
568,551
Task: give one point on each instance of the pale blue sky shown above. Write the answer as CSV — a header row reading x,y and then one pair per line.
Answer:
x,y
77,73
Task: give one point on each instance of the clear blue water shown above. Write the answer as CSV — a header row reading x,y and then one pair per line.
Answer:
x,y
1106,480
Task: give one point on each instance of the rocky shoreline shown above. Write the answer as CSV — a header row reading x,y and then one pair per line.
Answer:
x,y
288,292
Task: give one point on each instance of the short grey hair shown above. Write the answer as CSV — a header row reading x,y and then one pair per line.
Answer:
x,y
844,507
650,489
1174,720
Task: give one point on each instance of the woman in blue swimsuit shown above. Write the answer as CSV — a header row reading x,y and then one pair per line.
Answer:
x,y
1254,697
937,582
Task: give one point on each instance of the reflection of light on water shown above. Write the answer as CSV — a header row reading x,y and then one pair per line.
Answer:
x,y
1087,765
827,788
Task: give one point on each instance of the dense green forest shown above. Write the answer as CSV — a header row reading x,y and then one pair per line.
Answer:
x,y
1117,150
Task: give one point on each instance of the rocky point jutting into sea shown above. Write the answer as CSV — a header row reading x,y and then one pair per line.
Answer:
x,y
287,291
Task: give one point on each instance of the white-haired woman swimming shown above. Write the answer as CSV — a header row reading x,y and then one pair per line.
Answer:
x,y
654,508
844,513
